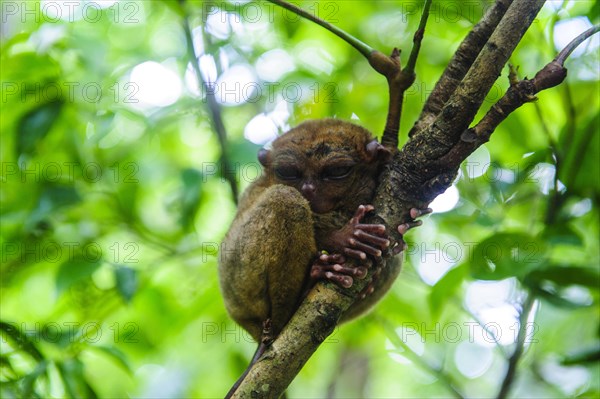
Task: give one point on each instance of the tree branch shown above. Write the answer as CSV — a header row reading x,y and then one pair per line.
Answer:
x,y
566,52
460,63
426,165
213,108
414,179
519,93
519,348
399,81
362,48
419,172
417,39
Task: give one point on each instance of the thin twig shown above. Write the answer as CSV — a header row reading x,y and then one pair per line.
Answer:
x,y
520,92
439,372
214,109
363,48
484,326
463,58
418,38
509,378
399,80
524,91
566,52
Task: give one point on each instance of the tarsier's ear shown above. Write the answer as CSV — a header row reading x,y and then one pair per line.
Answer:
x,y
377,152
264,157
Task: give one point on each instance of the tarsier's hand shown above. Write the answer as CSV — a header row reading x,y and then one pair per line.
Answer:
x,y
357,240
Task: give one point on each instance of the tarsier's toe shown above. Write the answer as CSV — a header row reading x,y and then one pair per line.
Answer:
x,y
338,274
415,213
367,291
399,247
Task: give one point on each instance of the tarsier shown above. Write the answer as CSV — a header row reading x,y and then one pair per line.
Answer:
x,y
301,221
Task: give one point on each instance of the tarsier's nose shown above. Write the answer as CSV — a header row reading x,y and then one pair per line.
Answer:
x,y
309,190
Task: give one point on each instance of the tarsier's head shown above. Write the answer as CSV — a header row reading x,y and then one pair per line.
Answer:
x,y
334,164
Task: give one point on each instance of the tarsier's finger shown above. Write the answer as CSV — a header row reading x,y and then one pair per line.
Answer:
x,y
355,254
415,213
367,291
370,288
378,229
403,228
339,279
399,247
367,238
365,247
359,272
327,259
361,211
267,332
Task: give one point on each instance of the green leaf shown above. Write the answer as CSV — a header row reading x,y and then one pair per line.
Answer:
x,y
549,283
562,234
29,379
71,372
506,255
21,340
73,271
528,166
565,276
445,288
35,125
127,282
586,356
7,365
555,298
58,195
115,354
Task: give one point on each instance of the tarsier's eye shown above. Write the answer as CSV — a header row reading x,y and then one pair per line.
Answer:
x,y
287,173
336,172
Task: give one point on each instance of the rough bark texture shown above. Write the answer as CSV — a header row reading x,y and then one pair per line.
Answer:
x,y
423,169
459,64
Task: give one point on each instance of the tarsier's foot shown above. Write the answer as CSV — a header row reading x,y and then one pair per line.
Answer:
x,y
357,240
333,268
267,332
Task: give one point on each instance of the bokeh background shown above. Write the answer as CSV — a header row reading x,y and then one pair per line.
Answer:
x,y
126,124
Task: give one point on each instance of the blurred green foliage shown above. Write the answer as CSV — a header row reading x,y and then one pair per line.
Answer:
x,y
114,202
